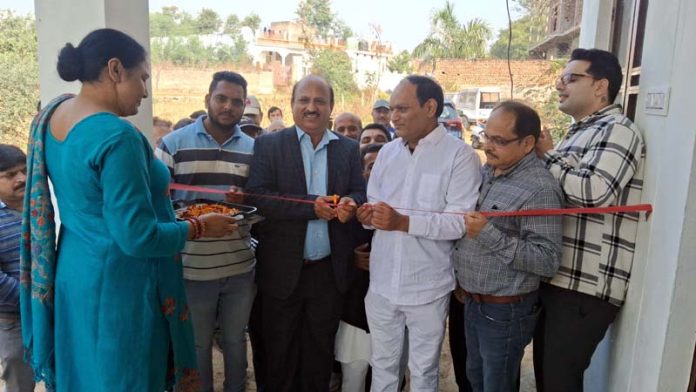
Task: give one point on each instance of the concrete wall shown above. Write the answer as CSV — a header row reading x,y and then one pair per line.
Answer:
x,y
595,26
59,22
650,346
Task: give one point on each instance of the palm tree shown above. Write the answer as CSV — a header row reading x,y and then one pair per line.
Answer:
x,y
450,39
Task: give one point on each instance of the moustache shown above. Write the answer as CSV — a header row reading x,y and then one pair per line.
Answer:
x,y
311,114
490,154
21,186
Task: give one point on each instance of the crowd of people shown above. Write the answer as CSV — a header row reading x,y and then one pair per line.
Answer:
x,y
366,238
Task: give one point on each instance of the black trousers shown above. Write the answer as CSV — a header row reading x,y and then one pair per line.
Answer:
x,y
457,343
570,327
257,346
299,332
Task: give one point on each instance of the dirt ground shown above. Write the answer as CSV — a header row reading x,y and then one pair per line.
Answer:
x,y
447,381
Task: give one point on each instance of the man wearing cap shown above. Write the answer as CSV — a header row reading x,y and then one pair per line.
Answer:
x,y
219,275
250,127
381,114
252,109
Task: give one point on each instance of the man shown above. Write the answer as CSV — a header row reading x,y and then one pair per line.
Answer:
x,y
197,113
219,275
160,127
348,125
275,126
181,123
598,163
353,339
305,248
381,114
252,110
274,113
374,134
501,260
249,127
411,274
14,372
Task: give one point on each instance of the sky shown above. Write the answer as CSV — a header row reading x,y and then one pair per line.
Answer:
x,y
404,23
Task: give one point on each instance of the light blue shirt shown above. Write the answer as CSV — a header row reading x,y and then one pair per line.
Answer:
x,y
317,245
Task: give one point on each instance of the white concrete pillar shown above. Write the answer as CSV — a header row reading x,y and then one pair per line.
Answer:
x,y
595,28
652,341
59,22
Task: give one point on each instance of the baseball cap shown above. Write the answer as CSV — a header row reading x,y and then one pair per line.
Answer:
x,y
252,106
248,123
381,103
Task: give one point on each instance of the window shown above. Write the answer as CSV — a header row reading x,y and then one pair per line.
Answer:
x,y
489,100
627,45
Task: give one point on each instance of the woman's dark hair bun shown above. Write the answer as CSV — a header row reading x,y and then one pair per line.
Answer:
x,y
70,63
86,61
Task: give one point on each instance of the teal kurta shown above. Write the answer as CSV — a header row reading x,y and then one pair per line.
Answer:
x,y
120,306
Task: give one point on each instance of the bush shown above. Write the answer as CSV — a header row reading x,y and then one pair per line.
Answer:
x,y
19,80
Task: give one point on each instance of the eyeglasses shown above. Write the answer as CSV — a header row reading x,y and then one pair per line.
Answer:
x,y
497,140
568,78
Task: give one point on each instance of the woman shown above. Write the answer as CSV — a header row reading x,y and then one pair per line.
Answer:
x,y
106,310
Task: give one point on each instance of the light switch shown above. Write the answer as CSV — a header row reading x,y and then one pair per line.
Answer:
x,y
657,101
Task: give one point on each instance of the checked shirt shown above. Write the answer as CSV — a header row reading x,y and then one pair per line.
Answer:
x,y
599,163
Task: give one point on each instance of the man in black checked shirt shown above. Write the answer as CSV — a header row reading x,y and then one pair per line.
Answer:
x,y
598,163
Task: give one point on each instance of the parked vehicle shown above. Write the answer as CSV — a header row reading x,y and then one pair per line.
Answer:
x,y
475,105
451,121
476,139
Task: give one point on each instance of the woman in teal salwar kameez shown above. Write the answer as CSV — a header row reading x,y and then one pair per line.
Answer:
x,y
106,311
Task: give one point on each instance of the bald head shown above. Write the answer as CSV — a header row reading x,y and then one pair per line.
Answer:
x,y
314,79
312,103
348,125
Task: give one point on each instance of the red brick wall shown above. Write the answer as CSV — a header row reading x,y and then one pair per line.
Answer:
x,y
454,74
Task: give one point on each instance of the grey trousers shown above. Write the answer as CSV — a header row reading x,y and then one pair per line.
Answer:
x,y
16,373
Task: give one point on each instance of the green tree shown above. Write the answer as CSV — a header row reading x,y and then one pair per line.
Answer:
x,y
341,29
317,15
252,21
232,25
521,40
19,79
170,21
337,68
449,38
556,121
208,22
162,24
400,63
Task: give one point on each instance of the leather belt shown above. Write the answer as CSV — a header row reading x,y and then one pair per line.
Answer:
x,y
496,299
307,262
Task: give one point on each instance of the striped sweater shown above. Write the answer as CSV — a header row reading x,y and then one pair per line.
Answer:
x,y
10,227
195,158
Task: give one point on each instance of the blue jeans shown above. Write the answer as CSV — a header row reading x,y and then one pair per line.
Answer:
x,y
226,301
496,336
16,373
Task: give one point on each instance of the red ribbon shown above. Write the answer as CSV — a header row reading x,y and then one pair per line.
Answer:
x,y
647,208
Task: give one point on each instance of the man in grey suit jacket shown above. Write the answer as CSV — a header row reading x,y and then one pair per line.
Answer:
x,y
304,249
